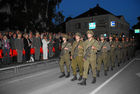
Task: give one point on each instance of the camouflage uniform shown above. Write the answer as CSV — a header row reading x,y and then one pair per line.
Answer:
x,y
77,58
65,57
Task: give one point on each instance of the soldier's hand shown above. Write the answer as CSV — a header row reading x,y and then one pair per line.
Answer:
x,y
66,48
112,46
93,47
83,59
80,47
104,47
71,57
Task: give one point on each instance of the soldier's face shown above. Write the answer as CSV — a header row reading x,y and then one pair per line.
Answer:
x,y
89,35
110,38
77,37
117,39
64,39
102,38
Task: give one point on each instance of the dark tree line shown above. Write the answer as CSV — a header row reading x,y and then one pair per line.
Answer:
x,y
41,15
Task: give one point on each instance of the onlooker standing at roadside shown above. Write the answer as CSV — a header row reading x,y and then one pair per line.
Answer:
x,y
45,43
6,49
19,45
27,47
12,43
37,45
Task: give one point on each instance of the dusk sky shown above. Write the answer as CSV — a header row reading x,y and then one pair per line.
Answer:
x,y
130,9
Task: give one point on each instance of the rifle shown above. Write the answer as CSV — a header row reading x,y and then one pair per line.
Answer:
x,y
99,52
76,50
62,50
88,51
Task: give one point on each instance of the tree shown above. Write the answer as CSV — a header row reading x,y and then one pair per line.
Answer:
x,y
30,14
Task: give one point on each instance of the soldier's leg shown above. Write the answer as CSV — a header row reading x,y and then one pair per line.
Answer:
x,y
74,66
67,60
113,58
85,66
93,66
80,64
61,64
99,62
108,61
105,63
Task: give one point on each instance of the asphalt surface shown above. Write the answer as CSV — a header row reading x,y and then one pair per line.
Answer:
x,y
122,80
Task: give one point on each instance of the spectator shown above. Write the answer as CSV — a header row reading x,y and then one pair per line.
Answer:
x,y
45,43
27,47
37,46
19,45
50,46
6,49
12,43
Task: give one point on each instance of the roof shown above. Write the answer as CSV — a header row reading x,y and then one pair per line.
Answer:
x,y
94,12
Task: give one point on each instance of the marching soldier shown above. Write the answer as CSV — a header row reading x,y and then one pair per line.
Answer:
x,y
77,57
65,57
103,55
112,51
123,49
118,50
128,48
90,49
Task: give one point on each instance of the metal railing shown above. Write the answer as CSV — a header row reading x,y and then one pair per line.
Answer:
x,y
17,67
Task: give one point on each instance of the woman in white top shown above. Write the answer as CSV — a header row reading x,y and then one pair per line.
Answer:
x,y
45,43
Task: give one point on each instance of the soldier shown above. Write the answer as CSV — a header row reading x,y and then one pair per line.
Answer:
x,y
102,55
65,57
123,49
90,49
112,51
118,50
128,48
77,57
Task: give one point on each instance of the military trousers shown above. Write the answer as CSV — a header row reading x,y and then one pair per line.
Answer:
x,y
77,62
112,58
65,59
102,58
90,61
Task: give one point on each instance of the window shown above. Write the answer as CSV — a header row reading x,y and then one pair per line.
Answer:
x,y
78,25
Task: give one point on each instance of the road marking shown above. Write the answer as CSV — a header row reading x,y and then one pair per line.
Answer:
x,y
52,87
31,76
107,81
138,74
138,59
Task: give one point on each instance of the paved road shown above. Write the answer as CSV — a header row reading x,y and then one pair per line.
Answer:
x,y
123,80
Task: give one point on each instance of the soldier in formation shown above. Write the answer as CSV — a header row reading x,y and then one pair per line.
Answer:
x,y
92,53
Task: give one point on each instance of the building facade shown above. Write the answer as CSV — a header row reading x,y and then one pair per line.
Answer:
x,y
104,23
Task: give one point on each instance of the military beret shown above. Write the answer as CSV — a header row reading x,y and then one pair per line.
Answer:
x,y
65,36
90,32
102,35
78,34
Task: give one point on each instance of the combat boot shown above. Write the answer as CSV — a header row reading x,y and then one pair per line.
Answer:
x,y
74,78
98,73
80,78
105,73
83,82
94,80
62,75
68,75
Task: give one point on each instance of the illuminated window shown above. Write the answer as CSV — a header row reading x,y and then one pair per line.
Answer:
x,y
137,30
92,25
112,23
